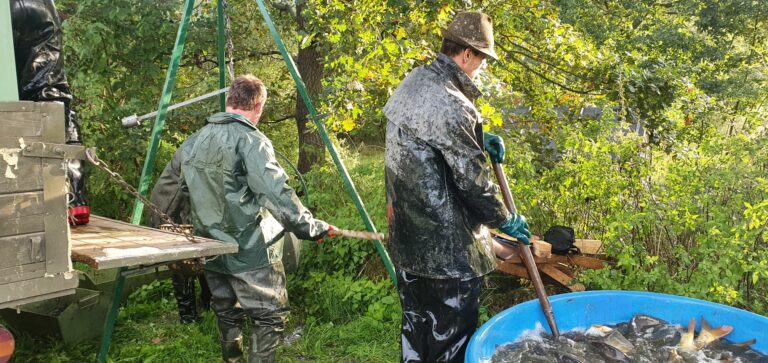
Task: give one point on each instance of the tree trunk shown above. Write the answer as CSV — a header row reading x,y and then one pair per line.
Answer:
x,y
311,148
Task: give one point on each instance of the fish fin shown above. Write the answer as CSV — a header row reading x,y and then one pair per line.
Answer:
x,y
686,339
747,343
708,334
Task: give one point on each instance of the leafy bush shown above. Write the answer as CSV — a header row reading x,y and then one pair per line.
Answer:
x,y
331,202
339,298
688,220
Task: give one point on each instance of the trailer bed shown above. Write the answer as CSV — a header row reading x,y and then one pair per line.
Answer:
x,y
105,243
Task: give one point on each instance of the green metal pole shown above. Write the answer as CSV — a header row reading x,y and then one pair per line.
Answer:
x,y
162,110
222,57
109,324
9,90
350,186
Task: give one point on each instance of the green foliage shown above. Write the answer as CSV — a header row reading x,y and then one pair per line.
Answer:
x,y
679,221
337,298
331,202
360,340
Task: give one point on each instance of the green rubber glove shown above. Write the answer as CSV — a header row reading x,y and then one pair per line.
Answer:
x,y
517,227
494,145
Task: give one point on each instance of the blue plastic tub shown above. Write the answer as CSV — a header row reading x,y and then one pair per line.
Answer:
x,y
582,309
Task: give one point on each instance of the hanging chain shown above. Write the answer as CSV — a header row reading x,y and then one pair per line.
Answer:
x,y
91,155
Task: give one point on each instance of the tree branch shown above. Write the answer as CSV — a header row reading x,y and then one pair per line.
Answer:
x,y
281,119
552,81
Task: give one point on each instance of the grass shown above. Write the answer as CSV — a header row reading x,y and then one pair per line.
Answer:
x,y
147,330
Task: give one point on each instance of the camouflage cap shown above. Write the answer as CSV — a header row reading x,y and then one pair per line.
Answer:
x,y
472,29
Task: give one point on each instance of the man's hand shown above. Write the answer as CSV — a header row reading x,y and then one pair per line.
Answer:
x,y
330,233
517,227
494,145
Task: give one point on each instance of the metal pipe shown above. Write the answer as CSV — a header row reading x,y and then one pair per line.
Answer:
x,y
527,256
133,120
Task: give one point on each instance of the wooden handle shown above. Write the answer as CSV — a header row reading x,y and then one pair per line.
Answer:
x,y
526,255
505,193
356,234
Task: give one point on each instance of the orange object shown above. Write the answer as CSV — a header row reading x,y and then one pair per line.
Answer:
x,y
7,345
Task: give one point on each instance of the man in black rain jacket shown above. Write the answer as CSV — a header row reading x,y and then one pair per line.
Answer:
x,y
440,195
37,45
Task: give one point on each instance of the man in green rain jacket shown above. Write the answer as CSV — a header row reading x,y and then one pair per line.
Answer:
x,y
238,194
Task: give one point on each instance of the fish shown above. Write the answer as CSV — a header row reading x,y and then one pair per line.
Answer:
x,y
709,334
611,353
640,323
687,338
664,335
674,356
598,330
641,339
611,337
568,358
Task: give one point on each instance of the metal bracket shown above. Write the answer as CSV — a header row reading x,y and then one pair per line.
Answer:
x,y
54,151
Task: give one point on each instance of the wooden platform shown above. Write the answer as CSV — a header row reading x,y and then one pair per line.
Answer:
x,y
105,243
559,269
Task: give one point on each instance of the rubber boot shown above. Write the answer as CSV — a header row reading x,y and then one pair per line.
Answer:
x,y
231,343
184,290
205,293
264,341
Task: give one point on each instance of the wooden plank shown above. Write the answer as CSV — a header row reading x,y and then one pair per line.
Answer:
x,y
560,277
513,269
106,243
21,213
22,272
590,246
52,118
22,119
22,225
541,248
18,173
516,259
566,269
21,250
41,288
581,261
57,248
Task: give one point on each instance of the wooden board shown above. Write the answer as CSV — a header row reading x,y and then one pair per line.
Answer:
x,y
560,269
21,213
590,246
560,277
106,243
539,248
579,260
